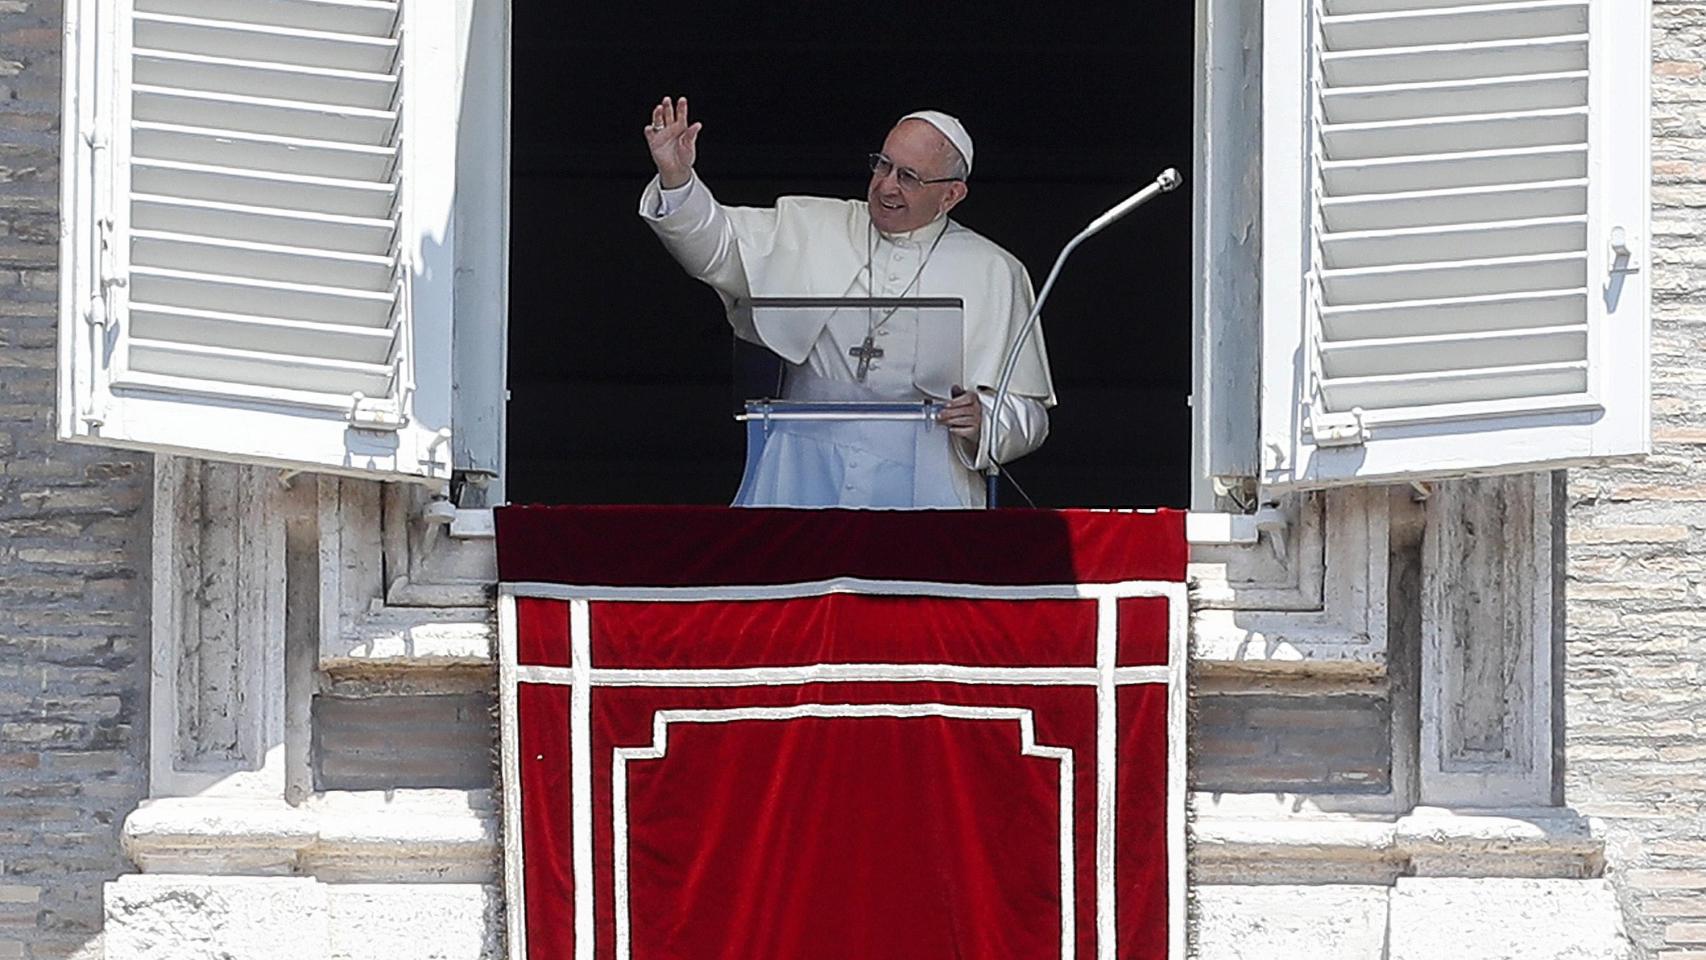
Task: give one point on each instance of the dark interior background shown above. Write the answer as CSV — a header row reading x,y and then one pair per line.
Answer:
x,y
619,363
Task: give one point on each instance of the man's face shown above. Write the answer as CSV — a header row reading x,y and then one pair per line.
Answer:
x,y
918,147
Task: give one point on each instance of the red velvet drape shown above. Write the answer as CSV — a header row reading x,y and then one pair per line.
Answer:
x,y
788,816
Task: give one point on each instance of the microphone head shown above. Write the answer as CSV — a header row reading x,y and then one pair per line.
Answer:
x,y
1169,179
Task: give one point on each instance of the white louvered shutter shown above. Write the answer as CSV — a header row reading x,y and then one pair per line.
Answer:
x,y
1455,199
257,258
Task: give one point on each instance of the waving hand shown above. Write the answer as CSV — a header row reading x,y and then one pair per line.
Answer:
x,y
673,142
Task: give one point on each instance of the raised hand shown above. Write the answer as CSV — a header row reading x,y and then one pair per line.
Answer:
x,y
673,142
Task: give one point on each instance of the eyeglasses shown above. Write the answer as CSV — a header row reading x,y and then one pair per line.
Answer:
x,y
907,177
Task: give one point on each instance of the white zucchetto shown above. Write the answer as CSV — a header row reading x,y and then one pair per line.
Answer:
x,y
950,127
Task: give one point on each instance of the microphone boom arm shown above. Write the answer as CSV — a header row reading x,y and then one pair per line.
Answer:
x,y
1167,181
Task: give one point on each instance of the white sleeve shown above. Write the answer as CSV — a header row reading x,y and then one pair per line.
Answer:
x,y
697,232
1024,427
669,200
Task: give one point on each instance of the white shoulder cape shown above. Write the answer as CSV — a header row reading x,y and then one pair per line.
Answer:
x,y
817,247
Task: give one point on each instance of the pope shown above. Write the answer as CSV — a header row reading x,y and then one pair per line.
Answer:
x,y
897,242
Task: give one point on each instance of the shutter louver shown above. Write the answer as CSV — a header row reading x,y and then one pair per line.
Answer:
x,y
257,124
258,261
1452,199
1450,278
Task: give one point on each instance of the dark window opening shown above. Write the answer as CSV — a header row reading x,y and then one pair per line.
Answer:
x,y
619,362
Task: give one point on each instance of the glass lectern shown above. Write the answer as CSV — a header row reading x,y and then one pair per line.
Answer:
x,y
840,396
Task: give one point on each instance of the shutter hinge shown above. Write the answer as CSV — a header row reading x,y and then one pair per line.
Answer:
x,y
1338,429
100,310
110,276
1625,256
371,413
101,317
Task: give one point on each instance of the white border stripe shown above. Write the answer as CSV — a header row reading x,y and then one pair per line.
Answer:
x,y
840,673
1067,843
509,696
1126,676
1107,759
1178,712
1028,746
580,746
850,585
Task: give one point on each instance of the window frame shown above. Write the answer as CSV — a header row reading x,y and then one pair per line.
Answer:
x,y
480,398
1250,123
1226,254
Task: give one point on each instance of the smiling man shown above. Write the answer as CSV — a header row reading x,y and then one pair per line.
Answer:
x,y
897,242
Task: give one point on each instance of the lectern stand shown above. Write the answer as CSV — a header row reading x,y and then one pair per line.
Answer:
x,y
840,408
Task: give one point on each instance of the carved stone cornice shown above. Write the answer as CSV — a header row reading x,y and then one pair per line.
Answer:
x,y
1310,601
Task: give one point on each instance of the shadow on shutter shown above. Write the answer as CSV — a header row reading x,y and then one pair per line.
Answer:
x,y
1454,307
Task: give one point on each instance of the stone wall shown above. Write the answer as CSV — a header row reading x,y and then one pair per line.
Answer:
x,y
73,561
1635,706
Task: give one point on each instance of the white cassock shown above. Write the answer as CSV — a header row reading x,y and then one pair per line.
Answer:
x,y
821,247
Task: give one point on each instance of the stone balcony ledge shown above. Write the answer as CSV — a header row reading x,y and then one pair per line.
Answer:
x,y
1541,843
397,836
451,836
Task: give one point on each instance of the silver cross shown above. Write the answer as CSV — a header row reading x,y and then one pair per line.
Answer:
x,y
865,353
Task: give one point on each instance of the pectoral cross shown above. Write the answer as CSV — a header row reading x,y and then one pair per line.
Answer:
x,y
865,353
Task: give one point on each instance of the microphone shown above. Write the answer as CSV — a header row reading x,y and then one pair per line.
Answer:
x,y
1166,182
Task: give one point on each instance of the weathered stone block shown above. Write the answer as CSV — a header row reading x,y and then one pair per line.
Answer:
x,y
379,921
1643,533
184,917
1496,919
1265,922
1686,933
